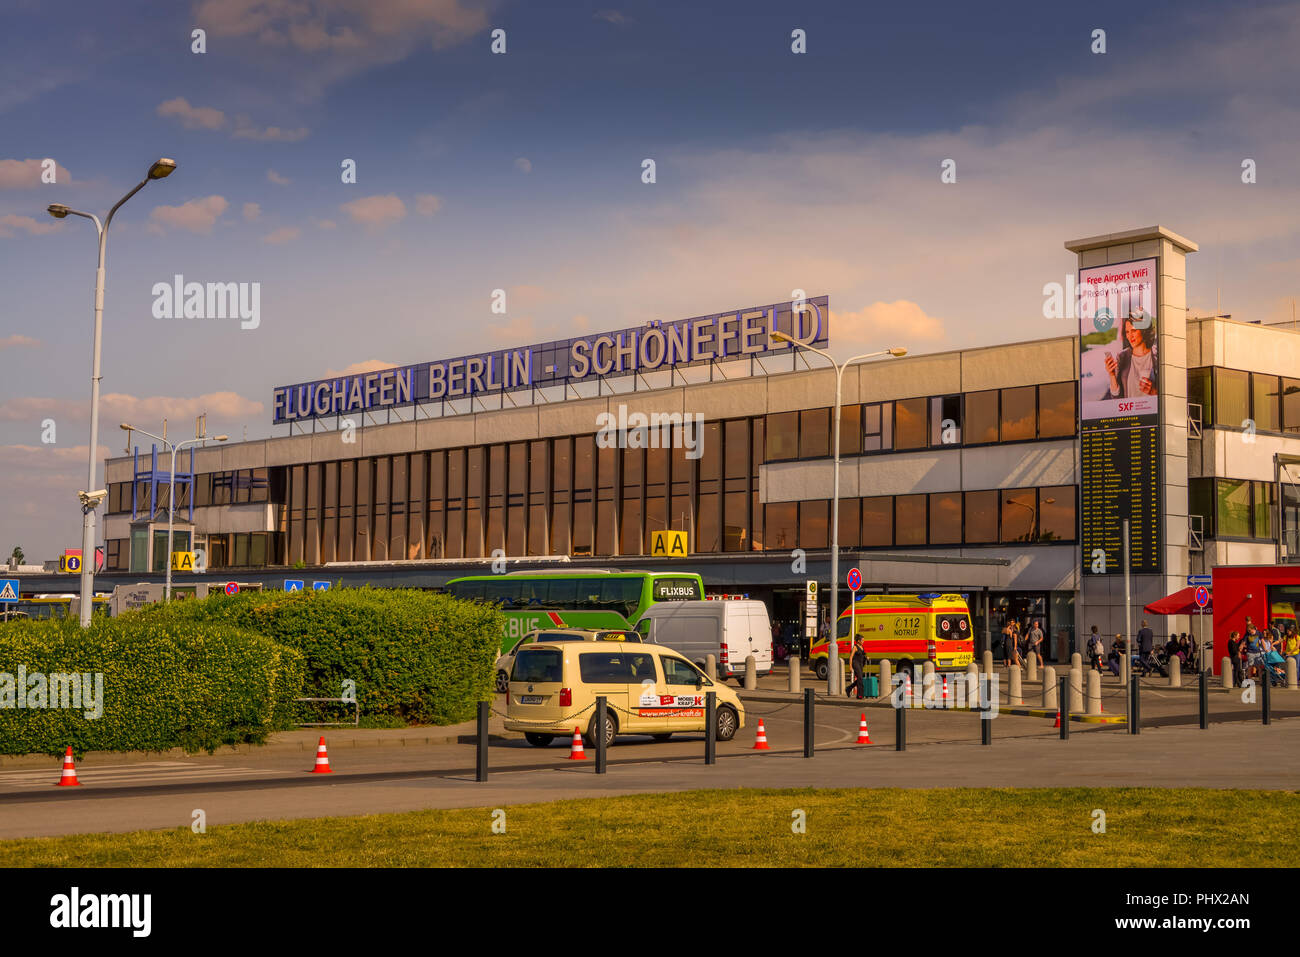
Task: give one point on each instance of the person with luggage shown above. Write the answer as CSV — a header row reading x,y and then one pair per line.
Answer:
x,y
857,663
1094,650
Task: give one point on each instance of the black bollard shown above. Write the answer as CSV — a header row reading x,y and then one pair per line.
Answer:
x,y
900,727
808,713
711,728
1134,704
986,721
1265,692
481,770
1205,700
1063,703
601,718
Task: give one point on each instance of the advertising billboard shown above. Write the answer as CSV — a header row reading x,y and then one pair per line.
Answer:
x,y
1118,347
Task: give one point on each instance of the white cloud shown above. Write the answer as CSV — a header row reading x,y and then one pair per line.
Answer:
x,y
884,325
284,234
376,212
524,164
26,174
426,204
192,117
246,130
358,368
277,179
252,211
120,407
197,215
17,341
11,224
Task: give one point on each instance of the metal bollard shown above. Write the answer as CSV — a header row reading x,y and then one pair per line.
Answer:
x,y
1094,692
481,769
751,673
1135,705
808,715
1076,690
986,662
1175,672
1204,695
1050,697
1225,671
793,662
711,666
711,728
1265,694
1063,695
900,729
986,721
601,718
1013,689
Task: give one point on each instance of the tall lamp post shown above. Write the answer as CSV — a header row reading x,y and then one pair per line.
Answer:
x,y
833,670
171,493
91,498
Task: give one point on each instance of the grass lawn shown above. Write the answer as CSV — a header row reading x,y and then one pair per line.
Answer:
x,y
978,827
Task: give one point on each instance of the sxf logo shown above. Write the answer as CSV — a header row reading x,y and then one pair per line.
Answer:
x,y
74,910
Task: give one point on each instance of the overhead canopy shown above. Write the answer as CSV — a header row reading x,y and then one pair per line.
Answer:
x,y
1181,602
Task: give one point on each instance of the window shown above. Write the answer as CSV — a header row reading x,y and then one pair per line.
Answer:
x,y
814,524
677,671
909,520
1265,403
814,433
850,430
1056,520
782,436
780,523
1056,410
1290,405
1019,515
1019,413
878,427
1263,509
538,665
945,420
981,425
878,521
1200,501
850,522
981,517
945,518
618,667
1231,398
1233,508
1200,389
910,424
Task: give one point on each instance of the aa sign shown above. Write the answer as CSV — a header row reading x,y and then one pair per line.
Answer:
x,y
182,561
668,544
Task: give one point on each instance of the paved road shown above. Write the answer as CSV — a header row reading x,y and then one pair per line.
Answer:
x,y
272,783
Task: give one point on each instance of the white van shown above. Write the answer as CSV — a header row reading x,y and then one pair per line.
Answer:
x,y
728,629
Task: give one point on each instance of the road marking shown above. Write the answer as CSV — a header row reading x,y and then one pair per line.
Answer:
x,y
156,772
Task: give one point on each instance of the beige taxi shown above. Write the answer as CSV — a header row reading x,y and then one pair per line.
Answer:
x,y
649,689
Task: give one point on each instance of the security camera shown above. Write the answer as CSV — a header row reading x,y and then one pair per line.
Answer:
x,y
91,500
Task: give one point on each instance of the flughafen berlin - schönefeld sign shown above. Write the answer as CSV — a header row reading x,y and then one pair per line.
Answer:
x,y
724,336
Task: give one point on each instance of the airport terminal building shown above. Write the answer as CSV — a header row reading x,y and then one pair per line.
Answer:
x,y
1003,472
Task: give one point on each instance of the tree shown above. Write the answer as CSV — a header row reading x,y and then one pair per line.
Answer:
x,y
16,557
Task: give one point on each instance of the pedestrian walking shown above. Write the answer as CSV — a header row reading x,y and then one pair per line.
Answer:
x,y
858,663
1036,642
1146,647
1234,657
1094,650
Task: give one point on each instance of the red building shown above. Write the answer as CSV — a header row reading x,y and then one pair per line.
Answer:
x,y
1261,592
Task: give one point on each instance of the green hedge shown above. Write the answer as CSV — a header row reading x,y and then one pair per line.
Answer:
x,y
416,656
166,683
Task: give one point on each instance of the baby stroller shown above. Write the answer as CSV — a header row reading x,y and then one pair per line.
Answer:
x,y
1274,666
1154,659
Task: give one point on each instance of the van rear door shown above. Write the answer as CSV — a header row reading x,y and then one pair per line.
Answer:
x,y
760,636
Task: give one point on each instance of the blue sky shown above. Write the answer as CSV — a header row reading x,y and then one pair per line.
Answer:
x,y
521,171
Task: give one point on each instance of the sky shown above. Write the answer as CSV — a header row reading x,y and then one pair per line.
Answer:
x,y
522,171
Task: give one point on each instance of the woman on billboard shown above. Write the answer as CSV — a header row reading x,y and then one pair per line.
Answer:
x,y
1132,370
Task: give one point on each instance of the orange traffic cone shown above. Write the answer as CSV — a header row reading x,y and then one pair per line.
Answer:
x,y
322,759
760,743
1058,720
944,678
69,777
864,736
575,752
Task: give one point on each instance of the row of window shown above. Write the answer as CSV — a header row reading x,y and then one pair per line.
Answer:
x,y
1233,508
1232,398
902,425
246,549
236,487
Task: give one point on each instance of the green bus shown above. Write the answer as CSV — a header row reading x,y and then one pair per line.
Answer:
x,y
574,598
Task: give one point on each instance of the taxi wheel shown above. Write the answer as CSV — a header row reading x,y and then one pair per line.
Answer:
x,y
538,740
503,682
611,729
727,723
821,669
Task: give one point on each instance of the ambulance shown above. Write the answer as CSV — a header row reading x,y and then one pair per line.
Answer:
x,y
905,630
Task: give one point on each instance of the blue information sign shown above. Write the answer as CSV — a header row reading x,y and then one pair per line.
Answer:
x,y
320,586
293,584
9,589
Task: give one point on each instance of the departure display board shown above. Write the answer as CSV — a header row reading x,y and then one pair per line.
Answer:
x,y
1120,480
1119,405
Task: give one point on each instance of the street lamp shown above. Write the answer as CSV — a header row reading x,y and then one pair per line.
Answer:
x,y
1033,514
160,169
171,493
833,675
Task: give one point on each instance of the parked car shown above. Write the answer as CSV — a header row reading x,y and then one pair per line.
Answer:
x,y
505,662
729,629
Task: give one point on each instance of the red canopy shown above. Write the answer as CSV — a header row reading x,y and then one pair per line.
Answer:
x,y
1181,602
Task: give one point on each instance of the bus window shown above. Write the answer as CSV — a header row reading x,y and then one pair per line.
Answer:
x,y
467,590
560,593
621,595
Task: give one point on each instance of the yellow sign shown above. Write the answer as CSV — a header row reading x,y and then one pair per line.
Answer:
x,y
668,544
182,561
69,563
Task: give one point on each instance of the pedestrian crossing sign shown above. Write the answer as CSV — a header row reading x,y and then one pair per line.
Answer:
x,y
8,589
